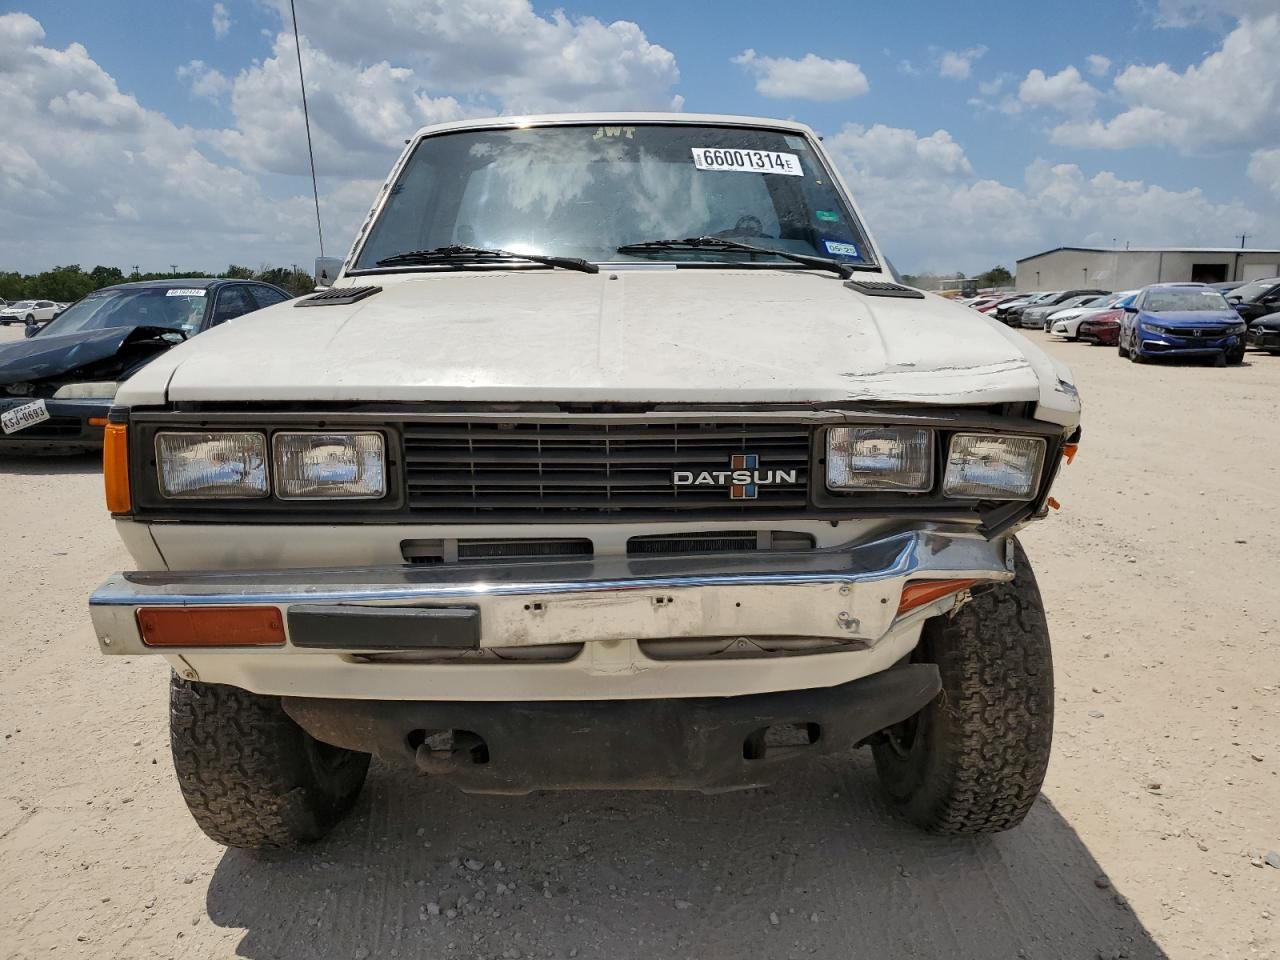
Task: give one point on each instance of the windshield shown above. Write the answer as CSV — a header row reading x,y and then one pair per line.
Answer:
x,y
176,308
1162,301
1251,291
22,304
585,191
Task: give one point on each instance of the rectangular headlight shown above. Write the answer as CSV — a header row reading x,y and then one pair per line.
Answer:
x,y
212,465
880,458
985,467
330,466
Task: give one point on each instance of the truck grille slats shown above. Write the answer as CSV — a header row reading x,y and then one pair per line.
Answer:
x,y
502,470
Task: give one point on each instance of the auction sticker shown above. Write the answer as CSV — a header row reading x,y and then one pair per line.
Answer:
x,y
185,292
747,161
29,414
842,249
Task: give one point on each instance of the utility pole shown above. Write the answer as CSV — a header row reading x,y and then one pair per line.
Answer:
x,y
135,269
174,267
1242,237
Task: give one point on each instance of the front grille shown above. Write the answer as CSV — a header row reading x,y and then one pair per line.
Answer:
x,y
491,550
1197,333
581,469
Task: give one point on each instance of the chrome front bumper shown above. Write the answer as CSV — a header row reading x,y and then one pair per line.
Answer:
x,y
609,605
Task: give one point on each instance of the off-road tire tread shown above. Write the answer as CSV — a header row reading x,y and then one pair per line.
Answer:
x,y
992,726
241,764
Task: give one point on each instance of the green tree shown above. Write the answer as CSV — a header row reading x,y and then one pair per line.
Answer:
x,y
996,277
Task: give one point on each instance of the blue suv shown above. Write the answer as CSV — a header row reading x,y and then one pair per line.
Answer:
x,y
1181,320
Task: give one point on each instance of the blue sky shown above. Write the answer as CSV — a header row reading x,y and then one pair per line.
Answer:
x,y
971,133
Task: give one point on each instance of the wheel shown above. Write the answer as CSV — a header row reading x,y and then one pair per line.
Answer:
x,y
973,760
253,778
29,320
1235,357
1134,355
1120,348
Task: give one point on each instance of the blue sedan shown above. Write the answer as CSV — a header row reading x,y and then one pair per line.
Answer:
x,y
1181,320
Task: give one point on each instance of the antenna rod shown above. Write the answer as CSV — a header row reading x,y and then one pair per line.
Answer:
x,y
306,119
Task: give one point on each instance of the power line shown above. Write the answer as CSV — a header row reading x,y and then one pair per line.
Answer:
x,y
306,119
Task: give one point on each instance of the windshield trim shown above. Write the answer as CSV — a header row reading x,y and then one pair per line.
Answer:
x,y
873,261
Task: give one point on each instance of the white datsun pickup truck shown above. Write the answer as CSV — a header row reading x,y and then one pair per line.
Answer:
x,y
615,457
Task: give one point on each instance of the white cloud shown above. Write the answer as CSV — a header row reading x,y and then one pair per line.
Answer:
x,y
127,183
498,50
989,88
1230,99
908,69
1098,65
1264,170
809,78
958,64
1186,13
203,79
930,211
1066,90
221,21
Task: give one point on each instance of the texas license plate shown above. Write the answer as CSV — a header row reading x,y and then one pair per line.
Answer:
x,y
17,418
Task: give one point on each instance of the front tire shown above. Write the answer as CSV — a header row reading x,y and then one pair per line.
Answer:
x,y
973,760
252,777
1235,357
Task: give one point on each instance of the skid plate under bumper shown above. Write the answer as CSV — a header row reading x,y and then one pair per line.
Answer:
x,y
709,744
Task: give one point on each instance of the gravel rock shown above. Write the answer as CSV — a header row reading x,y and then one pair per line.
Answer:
x,y
1101,883
683,904
1272,859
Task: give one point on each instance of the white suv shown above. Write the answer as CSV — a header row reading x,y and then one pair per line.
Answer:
x,y
28,311
615,457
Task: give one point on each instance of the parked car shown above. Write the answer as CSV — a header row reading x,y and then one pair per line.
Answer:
x,y
1264,334
1227,286
991,308
28,311
422,515
56,387
1102,329
1014,316
1037,317
1066,323
1007,312
1181,319
1256,299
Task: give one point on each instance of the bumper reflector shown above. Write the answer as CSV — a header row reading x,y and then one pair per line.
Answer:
x,y
211,626
920,592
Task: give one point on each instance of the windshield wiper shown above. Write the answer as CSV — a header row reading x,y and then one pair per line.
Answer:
x,y
460,253
845,270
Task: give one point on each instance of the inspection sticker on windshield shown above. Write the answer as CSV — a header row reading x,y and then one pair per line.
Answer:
x,y
747,161
841,249
185,292
29,414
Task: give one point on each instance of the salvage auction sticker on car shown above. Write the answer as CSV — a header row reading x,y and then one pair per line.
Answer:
x,y
747,161
11,421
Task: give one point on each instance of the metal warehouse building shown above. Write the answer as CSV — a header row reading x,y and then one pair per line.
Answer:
x,y
1066,268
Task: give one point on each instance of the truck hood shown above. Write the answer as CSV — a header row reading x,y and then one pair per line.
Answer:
x,y
638,335
41,357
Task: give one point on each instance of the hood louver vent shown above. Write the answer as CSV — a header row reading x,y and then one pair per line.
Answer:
x,y
881,288
336,296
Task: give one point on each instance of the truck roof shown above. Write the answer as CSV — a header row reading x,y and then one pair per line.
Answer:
x,y
557,119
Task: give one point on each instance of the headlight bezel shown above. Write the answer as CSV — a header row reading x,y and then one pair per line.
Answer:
x,y
1036,478
822,469
149,499
278,480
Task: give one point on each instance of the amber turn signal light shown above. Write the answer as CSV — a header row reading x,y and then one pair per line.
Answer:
x,y
115,467
211,626
920,592
1069,452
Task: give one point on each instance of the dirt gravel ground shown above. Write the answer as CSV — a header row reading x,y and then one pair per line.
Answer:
x,y
1161,804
